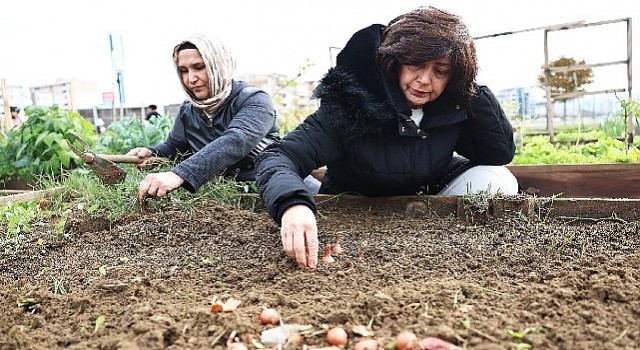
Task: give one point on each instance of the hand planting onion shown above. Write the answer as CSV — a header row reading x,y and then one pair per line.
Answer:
x,y
367,344
406,340
337,336
269,316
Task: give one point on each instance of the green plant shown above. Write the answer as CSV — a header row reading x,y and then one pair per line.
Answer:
x,y
630,107
521,335
538,150
99,322
58,287
29,304
578,136
39,146
18,218
614,126
86,192
128,133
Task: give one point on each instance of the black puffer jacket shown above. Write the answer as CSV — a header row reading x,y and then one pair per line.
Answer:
x,y
364,135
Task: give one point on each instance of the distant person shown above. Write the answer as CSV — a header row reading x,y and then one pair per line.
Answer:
x,y
16,119
400,114
100,126
219,130
152,111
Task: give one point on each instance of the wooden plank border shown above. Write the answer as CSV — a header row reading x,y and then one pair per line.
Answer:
x,y
620,180
29,196
477,209
616,180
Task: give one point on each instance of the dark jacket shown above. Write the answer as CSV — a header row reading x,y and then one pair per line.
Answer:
x,y
226,145
152,114
364,135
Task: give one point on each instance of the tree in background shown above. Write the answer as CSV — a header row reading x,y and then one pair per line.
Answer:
x,y
567,82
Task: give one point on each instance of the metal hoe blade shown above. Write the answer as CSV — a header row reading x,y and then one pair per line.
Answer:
x,y
106,170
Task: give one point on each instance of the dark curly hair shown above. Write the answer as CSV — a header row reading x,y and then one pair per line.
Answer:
x,y
426,34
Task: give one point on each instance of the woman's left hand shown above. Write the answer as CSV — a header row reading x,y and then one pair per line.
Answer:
x,y
158,185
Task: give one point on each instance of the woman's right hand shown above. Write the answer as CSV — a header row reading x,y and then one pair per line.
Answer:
x,y
144,154
299,233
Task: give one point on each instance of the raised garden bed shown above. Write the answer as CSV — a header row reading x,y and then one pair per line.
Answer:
x,y
481,273
151,277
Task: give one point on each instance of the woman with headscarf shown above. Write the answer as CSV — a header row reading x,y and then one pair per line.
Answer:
x,y
400,114
221,127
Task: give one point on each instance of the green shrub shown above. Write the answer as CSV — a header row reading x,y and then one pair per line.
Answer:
x,y
39,146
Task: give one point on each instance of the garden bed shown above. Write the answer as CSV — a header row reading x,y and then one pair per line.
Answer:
x,y
510,282
619,180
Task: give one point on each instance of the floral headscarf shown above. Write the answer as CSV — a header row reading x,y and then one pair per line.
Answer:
x,y
221,68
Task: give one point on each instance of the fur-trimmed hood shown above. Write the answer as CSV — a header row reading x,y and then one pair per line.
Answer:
x,y
350,107
354,95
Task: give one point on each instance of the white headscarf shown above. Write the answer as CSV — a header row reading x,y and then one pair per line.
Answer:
x,y
221,68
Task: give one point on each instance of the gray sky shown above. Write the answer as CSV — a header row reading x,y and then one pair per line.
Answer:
x,y
43,40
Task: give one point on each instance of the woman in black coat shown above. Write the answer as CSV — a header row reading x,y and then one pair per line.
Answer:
x,y
400,114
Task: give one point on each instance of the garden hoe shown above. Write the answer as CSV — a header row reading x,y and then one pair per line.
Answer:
x,y
103,165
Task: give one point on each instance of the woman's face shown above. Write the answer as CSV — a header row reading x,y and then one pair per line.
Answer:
x,y
424,83
193,73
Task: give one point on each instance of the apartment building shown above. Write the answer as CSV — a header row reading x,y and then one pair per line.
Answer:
x,y
68,94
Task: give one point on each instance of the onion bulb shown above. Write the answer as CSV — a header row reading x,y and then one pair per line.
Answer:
x,y
405,340
327,258
366,344
433,343
269,316
337,248
337,336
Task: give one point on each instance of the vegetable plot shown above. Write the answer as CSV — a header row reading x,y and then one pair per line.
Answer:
x,y
151,279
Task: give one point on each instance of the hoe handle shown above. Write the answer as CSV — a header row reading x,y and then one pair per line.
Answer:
x,y
123,159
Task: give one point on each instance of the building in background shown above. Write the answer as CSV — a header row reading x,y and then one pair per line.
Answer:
x,y
528,104
18,96
68,94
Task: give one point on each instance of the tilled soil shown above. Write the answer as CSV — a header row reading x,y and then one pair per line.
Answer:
x,y
504,284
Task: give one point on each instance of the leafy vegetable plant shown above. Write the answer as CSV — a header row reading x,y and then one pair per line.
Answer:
x,y
17,218
538,150
39,146
128,133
